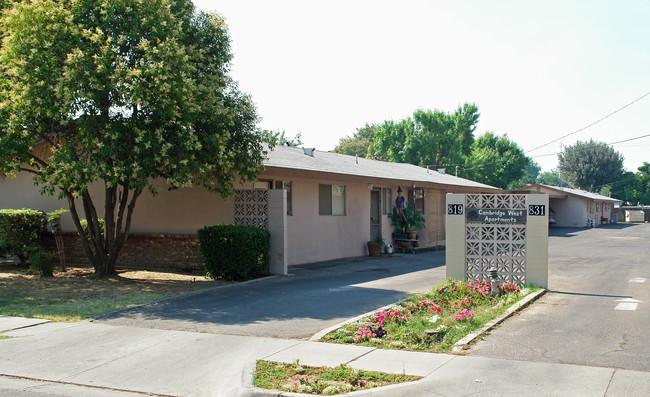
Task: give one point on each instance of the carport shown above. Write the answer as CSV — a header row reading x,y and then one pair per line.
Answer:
x,y
576,208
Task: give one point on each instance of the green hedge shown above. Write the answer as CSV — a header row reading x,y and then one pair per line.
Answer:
x,y
84,227
234,252
20,229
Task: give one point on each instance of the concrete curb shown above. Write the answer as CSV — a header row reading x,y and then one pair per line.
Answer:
x,y
464,343
326,331
171,298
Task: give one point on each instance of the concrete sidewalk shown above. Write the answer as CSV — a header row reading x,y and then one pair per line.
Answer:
x,y
90,359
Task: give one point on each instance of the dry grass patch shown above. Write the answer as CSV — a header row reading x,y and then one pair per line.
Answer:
x,y
327,381
74,296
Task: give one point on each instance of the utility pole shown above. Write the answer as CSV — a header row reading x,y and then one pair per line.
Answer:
x,y
559,171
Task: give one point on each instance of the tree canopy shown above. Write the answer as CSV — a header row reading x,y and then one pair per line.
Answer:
x,y
429,138
121,93
551,178
590,165
281,138
496,161
633,188
361,143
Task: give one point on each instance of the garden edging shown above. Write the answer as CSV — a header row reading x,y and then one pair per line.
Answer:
x,y
326,331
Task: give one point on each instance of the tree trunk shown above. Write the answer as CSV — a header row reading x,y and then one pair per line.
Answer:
x,y
104,252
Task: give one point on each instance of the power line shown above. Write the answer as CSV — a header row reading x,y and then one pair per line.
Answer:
x,y
595,122
552,154
608,144
627,140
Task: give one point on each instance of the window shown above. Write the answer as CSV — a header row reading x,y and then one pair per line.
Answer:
x,y
262,184
416,199
331,199
286,185
387,201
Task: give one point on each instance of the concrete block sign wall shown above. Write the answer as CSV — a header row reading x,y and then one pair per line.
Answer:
x,y
508,232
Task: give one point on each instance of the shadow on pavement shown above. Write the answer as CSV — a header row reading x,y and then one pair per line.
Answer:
x,y
315,293
583,294
555,231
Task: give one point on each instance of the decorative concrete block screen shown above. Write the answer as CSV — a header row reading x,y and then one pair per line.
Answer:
x,y
252,208
508,232
266,209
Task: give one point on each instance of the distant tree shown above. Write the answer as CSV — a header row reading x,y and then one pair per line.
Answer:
x,y
551,178
429,138
633,187
392,140
280,138
531,173
589,165
496,161
119,94
361,143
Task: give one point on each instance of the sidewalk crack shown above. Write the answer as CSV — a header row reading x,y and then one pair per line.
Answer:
x,y
364,354
281,350
610,382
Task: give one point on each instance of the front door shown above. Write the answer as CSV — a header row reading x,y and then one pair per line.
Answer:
x,y
375,213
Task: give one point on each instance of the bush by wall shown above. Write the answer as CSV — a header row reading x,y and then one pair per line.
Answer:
x,y
20,229
84,227
41,260
234,252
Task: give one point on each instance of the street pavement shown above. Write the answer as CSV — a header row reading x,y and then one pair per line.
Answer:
x,y
593,274
136,353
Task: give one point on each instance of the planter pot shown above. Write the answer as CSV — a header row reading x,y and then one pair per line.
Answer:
x,y
416,243
374,249
412,234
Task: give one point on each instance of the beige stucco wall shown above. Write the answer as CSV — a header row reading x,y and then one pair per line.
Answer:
x,y
435,216
182,211
570,212
310,237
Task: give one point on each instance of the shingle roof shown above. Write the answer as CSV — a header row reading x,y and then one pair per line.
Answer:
x,y
581,193
335,163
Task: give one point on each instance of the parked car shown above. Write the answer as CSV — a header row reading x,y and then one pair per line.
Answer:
x,y
551,215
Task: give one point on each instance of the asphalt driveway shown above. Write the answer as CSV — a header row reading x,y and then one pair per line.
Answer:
x,y
314,297
597,309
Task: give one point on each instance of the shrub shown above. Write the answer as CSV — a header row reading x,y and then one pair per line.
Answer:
x,y
54,219
20,229
41,260
234,252
84,226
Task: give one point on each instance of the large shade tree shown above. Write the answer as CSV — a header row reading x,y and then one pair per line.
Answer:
x,y
633,188
120,93
360,144
430,138
589,165
497,161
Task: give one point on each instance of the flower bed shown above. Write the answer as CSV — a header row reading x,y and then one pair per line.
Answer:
x,y
432,321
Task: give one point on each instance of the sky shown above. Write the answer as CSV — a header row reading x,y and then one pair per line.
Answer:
x,y
537,70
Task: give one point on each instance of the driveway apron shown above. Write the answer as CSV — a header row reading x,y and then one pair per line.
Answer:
x,y
312,298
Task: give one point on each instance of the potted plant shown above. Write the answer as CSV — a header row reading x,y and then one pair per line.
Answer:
x,y
399,223
376,245
414,222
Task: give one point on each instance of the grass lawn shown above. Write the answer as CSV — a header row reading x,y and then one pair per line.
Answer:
x,y
433,321
73,296
327,381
